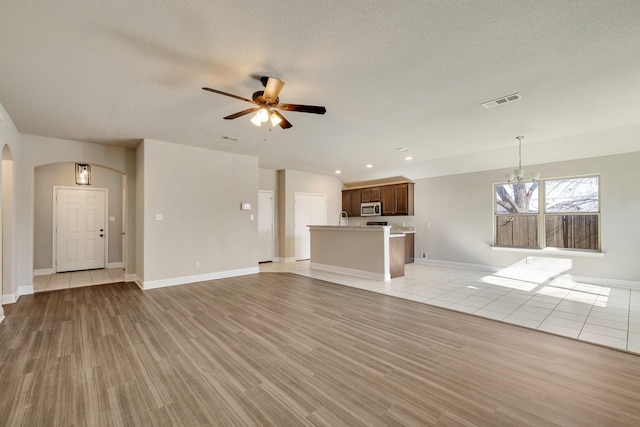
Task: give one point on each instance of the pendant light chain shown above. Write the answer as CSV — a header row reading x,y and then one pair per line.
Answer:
x,y
520,151
518,174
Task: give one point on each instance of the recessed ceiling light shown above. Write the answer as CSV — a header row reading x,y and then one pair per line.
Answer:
x,y
408,158
369,165
338,172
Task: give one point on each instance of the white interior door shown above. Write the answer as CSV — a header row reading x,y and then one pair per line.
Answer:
x,y
80,229
309,209
265,225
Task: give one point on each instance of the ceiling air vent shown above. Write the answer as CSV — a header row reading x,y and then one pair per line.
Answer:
x,y
503,100
229,138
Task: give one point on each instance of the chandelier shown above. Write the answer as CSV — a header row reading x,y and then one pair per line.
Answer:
x,y
518,174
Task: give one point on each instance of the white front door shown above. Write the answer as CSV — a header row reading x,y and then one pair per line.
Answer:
x,y
80,229
309,209
265,225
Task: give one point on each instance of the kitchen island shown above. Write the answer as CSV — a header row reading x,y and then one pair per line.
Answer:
x,y
372,252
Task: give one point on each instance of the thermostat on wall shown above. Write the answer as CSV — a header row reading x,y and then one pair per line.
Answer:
x,y
245,206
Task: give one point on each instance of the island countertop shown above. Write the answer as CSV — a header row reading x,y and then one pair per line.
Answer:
x,y
392,229
364,251
377,228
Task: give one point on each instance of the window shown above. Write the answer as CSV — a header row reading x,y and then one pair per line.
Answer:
x,y
572,213
558,213
517,215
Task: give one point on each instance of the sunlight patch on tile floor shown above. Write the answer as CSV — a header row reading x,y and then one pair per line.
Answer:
x,y
598,314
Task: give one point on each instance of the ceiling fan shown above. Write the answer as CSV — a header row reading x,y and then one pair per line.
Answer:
x,y
267,103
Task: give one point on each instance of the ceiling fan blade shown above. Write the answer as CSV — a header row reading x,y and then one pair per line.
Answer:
x,y
302,108
284,123
228,94
272,89
240,113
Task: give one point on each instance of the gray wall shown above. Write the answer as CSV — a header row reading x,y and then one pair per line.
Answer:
x,y
268,180
63,174
198,192
459,209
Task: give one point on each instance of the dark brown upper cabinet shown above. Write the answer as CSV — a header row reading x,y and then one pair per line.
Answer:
x,y
351,200
397,199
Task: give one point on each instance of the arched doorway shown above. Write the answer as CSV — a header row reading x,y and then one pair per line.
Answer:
x,y
7,225
49,181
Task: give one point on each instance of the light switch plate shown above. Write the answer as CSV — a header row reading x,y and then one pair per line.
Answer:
x,y
158,217
112,219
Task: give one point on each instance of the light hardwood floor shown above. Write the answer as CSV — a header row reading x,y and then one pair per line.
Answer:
x,y
280,349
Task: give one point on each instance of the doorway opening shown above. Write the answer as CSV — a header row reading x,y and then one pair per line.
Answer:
x,y
6,273
78,230
266,231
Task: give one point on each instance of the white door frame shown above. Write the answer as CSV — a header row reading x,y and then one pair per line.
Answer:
x,y
54,251
123,233
273,230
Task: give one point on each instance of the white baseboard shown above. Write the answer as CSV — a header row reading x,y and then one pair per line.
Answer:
x,y
278,259
13,298
131,278
1,314
9,299
464,265
25,290
351,272
599,281
154,284
135,279
114,265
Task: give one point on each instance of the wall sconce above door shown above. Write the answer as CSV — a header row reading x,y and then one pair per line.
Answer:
x,y
83,174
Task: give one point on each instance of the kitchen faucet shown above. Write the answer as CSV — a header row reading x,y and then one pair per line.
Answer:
x,y
345,215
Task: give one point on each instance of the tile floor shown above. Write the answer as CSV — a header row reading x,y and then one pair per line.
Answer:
x,y
76,279
536,293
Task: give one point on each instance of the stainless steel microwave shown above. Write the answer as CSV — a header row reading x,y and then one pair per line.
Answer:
x,y
370,209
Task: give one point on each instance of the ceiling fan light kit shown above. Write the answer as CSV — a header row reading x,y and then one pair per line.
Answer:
x,y
267,102
264,115
256,120
275,119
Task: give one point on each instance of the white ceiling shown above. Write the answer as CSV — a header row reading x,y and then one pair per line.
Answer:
x,y
393,73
